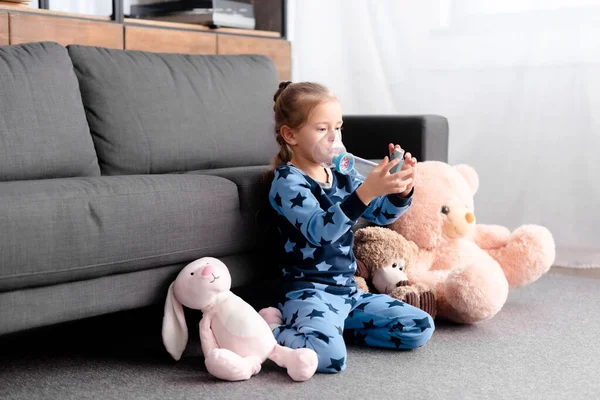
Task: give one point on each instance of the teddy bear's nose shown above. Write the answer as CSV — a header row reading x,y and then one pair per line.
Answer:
x,y
208,270
470,217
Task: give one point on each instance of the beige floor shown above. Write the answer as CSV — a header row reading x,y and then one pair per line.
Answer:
x,y
582,272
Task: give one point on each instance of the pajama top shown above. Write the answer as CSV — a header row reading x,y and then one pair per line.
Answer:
x,y
315,222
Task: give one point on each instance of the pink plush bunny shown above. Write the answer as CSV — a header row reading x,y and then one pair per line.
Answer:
x,y
235,339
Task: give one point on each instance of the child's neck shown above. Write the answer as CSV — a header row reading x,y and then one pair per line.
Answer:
x,y
311,168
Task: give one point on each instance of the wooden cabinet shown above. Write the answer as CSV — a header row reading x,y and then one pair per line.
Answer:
x,y
169,40
3,28
29,27
22,25
277,49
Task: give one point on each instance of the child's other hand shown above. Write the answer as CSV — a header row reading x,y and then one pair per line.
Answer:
x,y
410,163
380,182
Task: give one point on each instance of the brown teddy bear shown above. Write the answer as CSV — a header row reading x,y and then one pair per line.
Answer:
x,y
383,257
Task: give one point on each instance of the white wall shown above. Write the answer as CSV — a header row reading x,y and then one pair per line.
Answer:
x,y
519,82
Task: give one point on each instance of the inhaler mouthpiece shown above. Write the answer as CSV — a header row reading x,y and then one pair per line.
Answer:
x,y
331,152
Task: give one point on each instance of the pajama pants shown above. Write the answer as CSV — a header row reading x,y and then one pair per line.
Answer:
x,y
320,320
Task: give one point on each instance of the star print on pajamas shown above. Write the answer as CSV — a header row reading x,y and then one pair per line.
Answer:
x,y
320,302
341,193
341,279
321,321
344,249
315,224
323,266
308,252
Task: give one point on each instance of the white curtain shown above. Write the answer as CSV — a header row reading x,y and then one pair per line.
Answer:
x,y
518,80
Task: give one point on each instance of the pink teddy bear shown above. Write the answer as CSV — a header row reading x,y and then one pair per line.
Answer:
x,y
470,267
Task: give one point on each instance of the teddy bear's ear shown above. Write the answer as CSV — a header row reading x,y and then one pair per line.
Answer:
x,y
413,247
361,270
470,176
360,235
409,248
368,234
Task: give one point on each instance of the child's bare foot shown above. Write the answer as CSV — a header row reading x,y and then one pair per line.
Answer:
x,y
273,317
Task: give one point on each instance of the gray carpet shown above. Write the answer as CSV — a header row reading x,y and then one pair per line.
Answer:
x,y
543,345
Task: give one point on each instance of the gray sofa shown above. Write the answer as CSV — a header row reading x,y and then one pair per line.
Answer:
x,y
119,167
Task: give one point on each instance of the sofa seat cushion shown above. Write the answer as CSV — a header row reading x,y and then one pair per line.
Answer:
x,y
153,113
43,127
62,230
253,185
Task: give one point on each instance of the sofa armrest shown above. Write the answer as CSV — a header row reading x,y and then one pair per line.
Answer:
x,y
424,136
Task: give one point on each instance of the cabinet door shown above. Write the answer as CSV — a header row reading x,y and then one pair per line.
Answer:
x,y
3,28
26,28
169,40
278,50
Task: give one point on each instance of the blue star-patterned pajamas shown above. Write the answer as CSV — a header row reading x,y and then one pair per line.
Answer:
x,y
320,302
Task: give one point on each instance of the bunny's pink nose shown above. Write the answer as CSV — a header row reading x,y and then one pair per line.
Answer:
x,y
208,270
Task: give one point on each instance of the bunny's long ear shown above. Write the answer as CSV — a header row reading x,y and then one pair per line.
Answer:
x,y
174,328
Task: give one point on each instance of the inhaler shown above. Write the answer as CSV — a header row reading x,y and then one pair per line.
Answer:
x,y
331,152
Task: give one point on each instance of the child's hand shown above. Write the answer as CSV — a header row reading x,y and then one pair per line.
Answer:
x,y
410,163
380,182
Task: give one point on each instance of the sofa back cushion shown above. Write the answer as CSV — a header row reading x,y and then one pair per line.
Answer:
x,y
43,128
159,113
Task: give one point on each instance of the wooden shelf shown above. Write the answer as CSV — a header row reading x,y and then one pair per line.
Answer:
x,y
278,50
19,8
26,27
3,28
19,24
193,27
161,40
248,32
14,3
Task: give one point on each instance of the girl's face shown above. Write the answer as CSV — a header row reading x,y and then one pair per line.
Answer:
x,y
325,120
